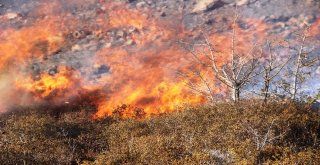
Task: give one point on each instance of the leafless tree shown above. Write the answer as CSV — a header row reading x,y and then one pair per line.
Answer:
x,y
235,73
300,66
303,60
203,87
262,139
270,71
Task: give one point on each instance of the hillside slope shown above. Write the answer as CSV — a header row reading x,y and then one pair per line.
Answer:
x,y
248,133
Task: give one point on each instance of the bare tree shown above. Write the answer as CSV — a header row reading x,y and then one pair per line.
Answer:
x,y
204,87
271,70
235,73
303,60
261,139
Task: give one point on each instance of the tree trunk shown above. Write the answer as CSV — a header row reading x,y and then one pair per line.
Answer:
x,y
266,90
295,82
235,91
297,71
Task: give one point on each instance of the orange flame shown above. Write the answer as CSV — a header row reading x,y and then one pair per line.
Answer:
x,y
142,79
18,46
164,97
48,85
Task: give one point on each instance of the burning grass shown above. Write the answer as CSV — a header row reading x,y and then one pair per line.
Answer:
x,y
198,135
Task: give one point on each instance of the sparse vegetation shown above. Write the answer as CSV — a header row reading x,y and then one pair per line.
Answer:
x,y
247,133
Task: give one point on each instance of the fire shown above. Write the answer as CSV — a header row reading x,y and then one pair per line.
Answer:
x,y
314,29
18,46
139,79
141,82
164,97
48,85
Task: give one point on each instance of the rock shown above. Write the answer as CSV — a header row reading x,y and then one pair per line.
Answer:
x,y
141,4
35,70
129,42
120,41
53,70
203,5
103,8
101,69
145,15
96,66
318,70
75,48
120,33
163,14
78,34
159,9
149,2
93,48
242,2
107,45
11,15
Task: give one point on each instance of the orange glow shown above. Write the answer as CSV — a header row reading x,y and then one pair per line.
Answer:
x,y
141,83
17,46
165,97
315,28
48,85
142,80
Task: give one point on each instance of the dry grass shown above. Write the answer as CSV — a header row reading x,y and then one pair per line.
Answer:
x,y
248,133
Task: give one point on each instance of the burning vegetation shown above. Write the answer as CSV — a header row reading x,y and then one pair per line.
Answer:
x,y
54,61
60,50
87,72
